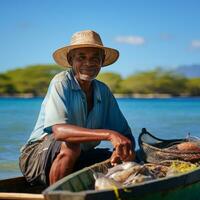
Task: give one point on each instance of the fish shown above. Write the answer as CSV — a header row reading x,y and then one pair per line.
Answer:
x,y
120,167
188,146
139,178
157,170
105,183
121,176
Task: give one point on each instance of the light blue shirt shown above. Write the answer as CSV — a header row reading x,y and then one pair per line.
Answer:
x,y
66,103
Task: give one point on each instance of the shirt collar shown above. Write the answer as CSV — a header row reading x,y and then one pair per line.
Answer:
x,y
75,85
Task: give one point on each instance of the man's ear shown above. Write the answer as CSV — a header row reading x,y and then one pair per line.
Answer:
x,y
103,57
69,58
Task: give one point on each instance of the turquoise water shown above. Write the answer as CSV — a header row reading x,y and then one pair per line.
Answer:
x,y
166,118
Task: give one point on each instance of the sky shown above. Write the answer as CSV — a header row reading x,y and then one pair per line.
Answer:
x,y
147,33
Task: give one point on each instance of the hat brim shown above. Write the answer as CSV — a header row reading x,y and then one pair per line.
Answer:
x,y
60,55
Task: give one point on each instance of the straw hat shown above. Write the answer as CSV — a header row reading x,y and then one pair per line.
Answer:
x,y
87,38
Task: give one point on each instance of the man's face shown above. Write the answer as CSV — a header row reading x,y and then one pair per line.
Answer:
x,y
86,62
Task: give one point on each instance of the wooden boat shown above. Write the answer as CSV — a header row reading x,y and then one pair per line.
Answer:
x,y
18,189
80,186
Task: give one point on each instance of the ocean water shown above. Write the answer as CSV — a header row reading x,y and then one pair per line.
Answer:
x,y
165,118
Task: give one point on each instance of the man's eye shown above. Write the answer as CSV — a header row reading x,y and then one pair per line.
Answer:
x,y
81,58
96,60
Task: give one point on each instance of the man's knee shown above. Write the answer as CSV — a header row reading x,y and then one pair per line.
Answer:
x,y
69,152
64,162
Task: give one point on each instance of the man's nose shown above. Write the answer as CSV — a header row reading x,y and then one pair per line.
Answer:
x,y
88,62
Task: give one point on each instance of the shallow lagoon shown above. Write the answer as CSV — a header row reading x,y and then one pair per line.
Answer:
x,y
166,118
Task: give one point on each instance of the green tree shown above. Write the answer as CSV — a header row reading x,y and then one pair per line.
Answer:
x,y
112,80
33,79
169,82
142,82
193,87
155,81
6,86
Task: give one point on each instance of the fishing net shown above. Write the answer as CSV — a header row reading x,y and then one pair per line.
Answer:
x,y
156,150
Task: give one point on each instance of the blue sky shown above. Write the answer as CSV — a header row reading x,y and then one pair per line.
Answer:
x,y
148,33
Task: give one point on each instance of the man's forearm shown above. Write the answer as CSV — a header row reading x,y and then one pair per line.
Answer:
x,y
75,134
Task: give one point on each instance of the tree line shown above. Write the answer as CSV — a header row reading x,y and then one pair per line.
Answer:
x,y
34,80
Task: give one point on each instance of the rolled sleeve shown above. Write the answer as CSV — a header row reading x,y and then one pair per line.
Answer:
x,y
56,108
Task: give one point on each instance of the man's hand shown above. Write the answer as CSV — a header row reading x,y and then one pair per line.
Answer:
x,y
123,148
116,159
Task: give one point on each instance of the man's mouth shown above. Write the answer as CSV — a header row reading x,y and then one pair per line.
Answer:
x,y
89,70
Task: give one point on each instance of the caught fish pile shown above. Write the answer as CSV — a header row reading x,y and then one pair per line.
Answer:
x,y
130,173
189,146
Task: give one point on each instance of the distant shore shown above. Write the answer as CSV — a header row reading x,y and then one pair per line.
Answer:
x,y
117,95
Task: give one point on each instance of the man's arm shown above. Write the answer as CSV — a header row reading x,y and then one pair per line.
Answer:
x,y
115,120
75,134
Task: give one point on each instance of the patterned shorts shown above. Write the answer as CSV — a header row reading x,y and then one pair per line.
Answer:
x,y
36,159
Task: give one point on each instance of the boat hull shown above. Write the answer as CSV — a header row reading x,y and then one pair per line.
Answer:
x,y
17,188
80,186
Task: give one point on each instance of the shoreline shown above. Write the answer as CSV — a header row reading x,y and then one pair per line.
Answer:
x,y
117,95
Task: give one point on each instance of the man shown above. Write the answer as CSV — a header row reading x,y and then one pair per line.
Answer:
x,y
78,112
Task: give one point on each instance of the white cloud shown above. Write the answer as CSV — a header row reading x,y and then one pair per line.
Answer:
x,y
133,40
195,44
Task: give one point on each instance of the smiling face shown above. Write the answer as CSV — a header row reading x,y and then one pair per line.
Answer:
x,y
86,62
